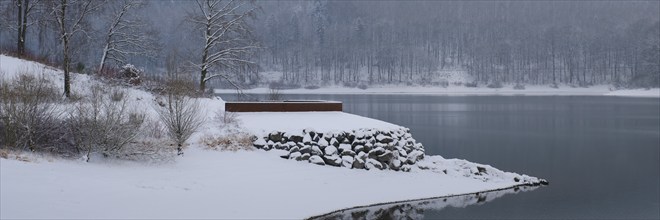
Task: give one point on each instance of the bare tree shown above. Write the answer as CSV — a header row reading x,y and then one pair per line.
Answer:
x,y
182,118
126,35
24,9
227,36
70,16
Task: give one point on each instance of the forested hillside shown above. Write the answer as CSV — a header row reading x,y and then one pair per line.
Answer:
x,y
577,43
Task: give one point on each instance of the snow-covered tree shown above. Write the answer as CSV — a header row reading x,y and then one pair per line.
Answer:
x,y
126,34
228,40
70,17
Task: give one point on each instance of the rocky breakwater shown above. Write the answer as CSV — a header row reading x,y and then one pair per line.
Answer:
x,y
357,149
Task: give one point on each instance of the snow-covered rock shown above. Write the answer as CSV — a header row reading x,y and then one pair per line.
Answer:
x,y
331,150
316,160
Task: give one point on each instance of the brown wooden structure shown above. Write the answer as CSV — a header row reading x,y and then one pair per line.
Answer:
x,y
284,106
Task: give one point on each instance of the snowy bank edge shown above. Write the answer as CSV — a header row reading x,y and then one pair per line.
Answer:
x,y
422,199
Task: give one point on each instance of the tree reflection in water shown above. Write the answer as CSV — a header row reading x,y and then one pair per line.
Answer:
x,y
416,209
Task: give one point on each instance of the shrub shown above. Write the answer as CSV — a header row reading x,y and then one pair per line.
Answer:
x,y
130,74
495,85
226,119
274,95
181,117
554,85
28,115
362,86
103,124
230,142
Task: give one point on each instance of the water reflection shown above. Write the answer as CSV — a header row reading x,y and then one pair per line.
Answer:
x,y
416,209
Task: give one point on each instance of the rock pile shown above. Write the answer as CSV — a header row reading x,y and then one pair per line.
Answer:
x,y
358,149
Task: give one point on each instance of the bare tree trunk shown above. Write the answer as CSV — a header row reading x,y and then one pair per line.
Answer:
x,y
19,19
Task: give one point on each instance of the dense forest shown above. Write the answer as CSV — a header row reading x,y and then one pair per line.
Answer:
x,y
575,43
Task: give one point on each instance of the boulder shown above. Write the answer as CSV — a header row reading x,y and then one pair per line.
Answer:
x,y
350,138
406,168
296,138
374,153
332,160
305,157
344,147
316,160
362,155
403,153
259,143
323,143
395,164
294,149
330,150
385,157
275,136
373,164
359,148
295,156
414,156
384,138
347,161
334,142
307,139
316,151
347,153
358,164
306,149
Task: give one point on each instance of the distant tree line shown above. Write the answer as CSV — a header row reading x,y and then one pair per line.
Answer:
x,y
533,42
578,43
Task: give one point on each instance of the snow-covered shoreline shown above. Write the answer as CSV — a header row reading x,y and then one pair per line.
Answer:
x,y
207,184
530,90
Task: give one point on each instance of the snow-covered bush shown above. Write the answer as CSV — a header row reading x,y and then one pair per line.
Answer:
x,y
229,142
28,113
274,95
130,74
103,123
181,117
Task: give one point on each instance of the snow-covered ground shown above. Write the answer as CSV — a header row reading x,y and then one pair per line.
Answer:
x,y
220,184
210,184
530,90
262,123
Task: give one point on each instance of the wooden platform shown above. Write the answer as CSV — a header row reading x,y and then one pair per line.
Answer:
x,y
284,106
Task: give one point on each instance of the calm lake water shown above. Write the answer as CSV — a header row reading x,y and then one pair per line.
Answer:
x,y
600,154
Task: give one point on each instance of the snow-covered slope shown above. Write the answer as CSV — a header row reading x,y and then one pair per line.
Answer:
x,y
219,185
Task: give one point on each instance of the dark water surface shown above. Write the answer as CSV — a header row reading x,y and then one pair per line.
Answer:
x,y
600,154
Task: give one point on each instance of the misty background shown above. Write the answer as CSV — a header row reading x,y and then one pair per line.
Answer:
x,y
349,43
